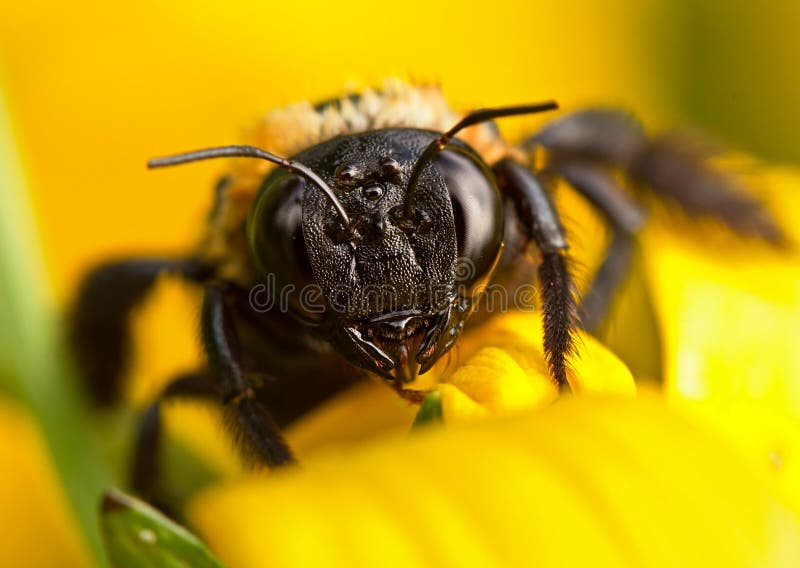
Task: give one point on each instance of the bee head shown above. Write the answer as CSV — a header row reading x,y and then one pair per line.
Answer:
x,y
386,237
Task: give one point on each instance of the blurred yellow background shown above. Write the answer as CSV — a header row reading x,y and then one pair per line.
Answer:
x,y
94,91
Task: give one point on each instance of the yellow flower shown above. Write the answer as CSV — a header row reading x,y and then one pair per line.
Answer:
x,y
590,481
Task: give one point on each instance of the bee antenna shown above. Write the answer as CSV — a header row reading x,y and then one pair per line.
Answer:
x,y
475,117
253,152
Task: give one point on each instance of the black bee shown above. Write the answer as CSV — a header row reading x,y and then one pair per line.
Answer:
x,y
345,259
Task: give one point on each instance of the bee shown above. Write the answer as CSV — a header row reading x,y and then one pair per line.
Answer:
x,y
335,249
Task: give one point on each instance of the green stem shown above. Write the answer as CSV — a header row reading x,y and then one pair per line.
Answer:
x,y
32,361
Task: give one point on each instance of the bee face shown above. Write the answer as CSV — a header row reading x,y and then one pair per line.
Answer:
x,y
392,296
386,266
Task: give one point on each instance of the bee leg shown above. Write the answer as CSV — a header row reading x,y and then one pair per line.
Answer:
x,y
674,166
609,136
146,471
255,431
677,172
99,323
542,225
625,218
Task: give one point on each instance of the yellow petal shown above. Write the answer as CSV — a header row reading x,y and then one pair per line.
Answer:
x,y
457,406
767,438
589,481
493,379
504,369
358,416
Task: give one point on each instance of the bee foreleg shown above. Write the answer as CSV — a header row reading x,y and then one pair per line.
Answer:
x,y
254,429
543,227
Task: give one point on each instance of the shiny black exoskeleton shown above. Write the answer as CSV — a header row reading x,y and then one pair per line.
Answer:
x,y
392,303
378,244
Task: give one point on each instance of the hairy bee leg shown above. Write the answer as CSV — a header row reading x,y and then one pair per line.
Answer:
x,y
146,471
672,166
610,136
624,217
680,175
609,276
99,324
254,429
541,223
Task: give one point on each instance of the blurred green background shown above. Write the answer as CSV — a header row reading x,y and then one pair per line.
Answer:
x,y
733,67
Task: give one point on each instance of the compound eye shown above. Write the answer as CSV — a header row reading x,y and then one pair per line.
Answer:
x,y
373,192
477,212
275,235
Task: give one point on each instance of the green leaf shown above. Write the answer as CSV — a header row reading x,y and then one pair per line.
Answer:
x,y
430,410
136,534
